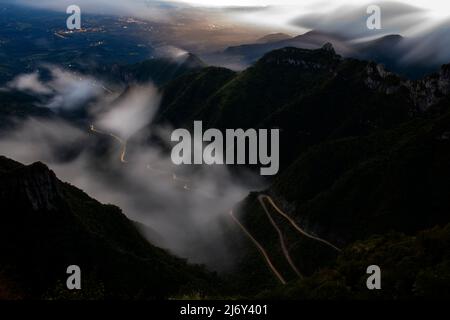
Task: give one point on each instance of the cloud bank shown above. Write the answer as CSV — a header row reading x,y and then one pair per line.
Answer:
x,y
183,207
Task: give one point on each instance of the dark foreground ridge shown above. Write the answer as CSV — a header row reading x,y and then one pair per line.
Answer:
x,y
47,225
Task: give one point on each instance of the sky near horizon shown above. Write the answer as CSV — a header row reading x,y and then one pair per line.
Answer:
x,y
281,13
438,7
345,16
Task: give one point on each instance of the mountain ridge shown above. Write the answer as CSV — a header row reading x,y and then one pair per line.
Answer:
x,y
365,155
68,227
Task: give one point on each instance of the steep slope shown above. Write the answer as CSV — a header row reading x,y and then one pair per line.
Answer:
x,y
394,180
311,95
47,225
186,96
364,152
413,267
349,190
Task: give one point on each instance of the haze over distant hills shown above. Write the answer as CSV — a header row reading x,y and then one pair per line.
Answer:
x,y
215,36
389,50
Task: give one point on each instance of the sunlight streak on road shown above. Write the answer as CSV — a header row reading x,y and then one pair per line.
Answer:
x,y
122,142
292,222
260,248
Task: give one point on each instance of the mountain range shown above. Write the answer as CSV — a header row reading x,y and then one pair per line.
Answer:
x,y
364,165
389,50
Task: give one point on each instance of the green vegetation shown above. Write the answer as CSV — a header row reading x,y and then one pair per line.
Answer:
x,y
359,159
413,267
363,165
311,95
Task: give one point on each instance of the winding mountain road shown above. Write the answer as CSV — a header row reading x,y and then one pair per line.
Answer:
x,y
261,199
260,248
281,237
122,142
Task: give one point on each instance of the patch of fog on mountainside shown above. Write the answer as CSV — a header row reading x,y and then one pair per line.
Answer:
x,y
183,208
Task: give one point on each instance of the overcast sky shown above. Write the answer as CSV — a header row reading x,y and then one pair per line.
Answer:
x,y
439,7
292,16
